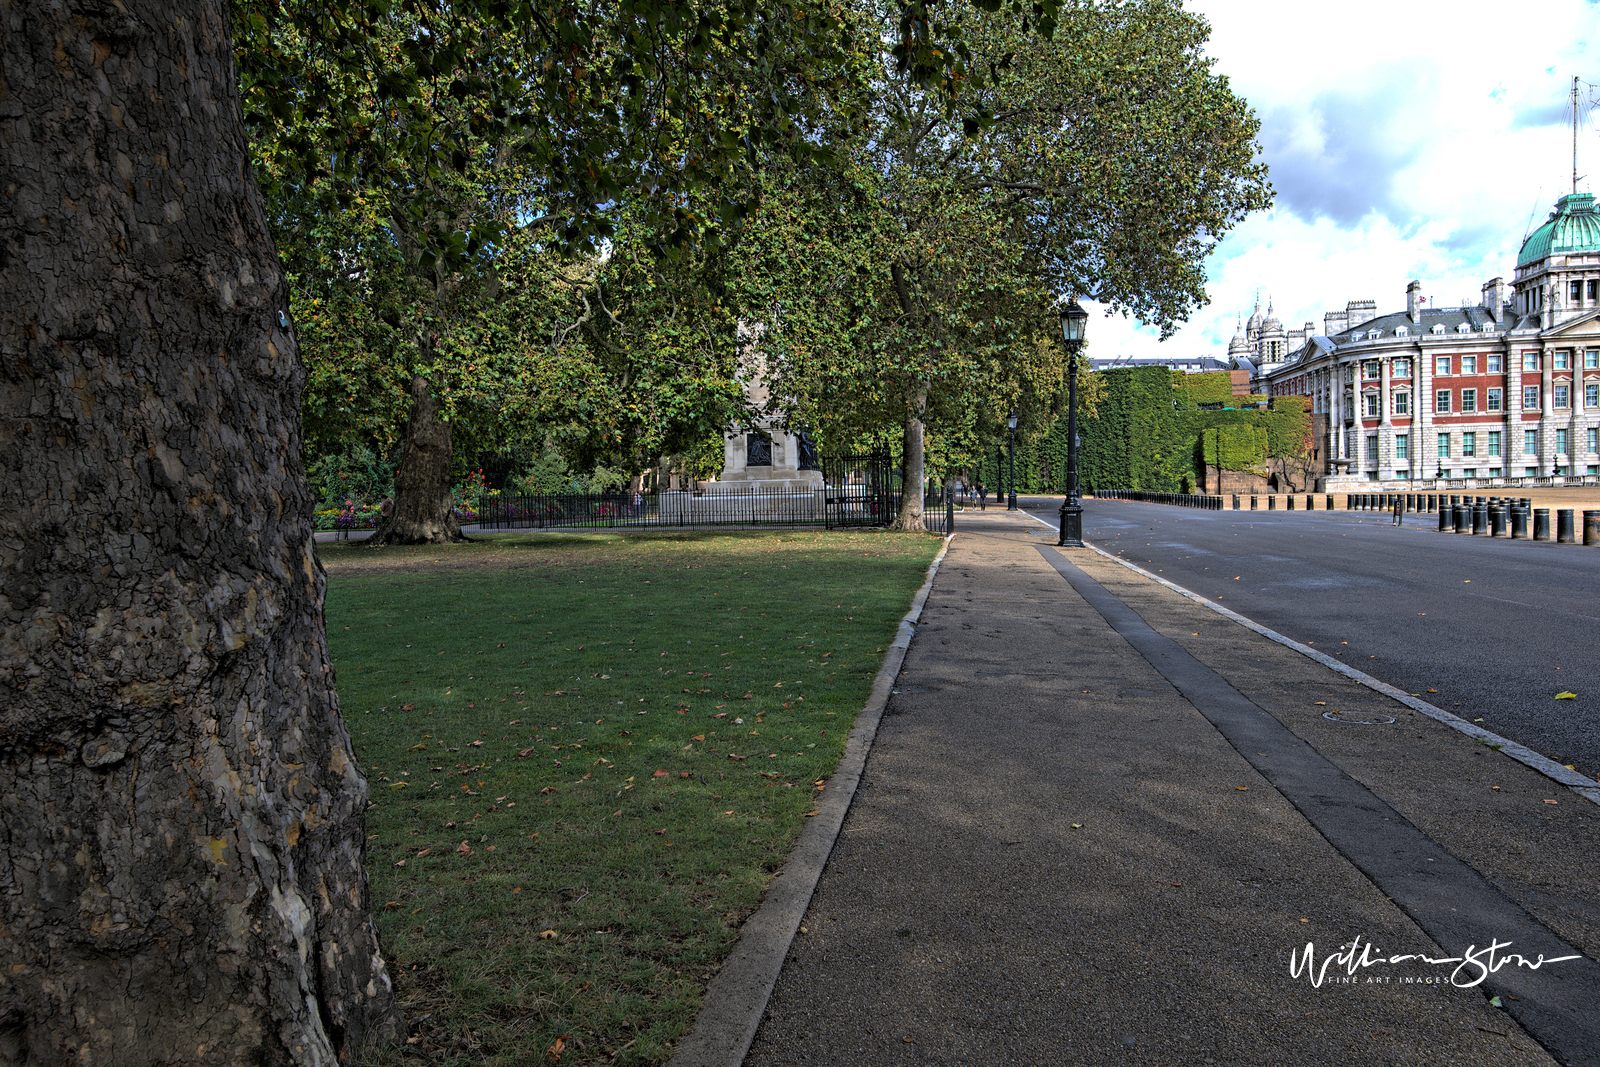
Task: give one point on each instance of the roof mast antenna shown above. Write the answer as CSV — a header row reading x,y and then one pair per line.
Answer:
x,y
1574,133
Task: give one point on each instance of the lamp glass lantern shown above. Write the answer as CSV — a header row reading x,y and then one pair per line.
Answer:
x,y
1074,322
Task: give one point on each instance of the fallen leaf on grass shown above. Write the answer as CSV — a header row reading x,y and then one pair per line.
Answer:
x,y
392,905
397,785
1552,802
464,850
548,789
423,852
659,774
418,747
527,752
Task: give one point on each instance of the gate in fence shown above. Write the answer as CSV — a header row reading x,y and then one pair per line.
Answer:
x,y
860,490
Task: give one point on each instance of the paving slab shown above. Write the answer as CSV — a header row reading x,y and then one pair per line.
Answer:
x,y
1055,856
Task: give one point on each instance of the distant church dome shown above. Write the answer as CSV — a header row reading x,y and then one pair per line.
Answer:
x,y
1573,226
1240,342
1271,323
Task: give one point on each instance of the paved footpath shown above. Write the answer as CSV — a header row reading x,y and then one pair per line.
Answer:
x,y
1098,819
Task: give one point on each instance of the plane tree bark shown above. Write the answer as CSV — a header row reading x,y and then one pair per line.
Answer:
x,y
182,827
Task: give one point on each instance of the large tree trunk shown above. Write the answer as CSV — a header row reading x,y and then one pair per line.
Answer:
x,y
421,513
182,828
912,463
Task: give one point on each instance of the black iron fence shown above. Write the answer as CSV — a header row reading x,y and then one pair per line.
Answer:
x,y
871,499
739,507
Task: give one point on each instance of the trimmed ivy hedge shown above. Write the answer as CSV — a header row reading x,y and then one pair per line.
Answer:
x,y
1150,434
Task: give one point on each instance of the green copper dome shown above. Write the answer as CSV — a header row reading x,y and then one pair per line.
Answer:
x,y
1572,227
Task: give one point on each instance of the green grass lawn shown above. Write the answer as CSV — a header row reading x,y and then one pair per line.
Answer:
x,y
588,753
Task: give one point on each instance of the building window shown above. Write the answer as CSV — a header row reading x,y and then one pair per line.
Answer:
x,y
1561,442
1372,451
1469,400
1530,361
1369,370
1594,289
1402,403
1530,398
1402,446
1494,443
1594,439
1469,364
1441,364
1438,329
1494,364
1530,472
1575,292
1402,368
1372,405
1469,444
1591,359
1530,441
1495,399
1441,400
1563,360
1494,472
1444,446
1563,394
1591,394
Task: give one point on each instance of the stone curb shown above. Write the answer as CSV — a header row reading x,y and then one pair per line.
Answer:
x,y
737,996
1556,772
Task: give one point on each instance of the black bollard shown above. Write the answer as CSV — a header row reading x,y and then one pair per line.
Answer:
x,y
1480,519
1497,521
1330,502
1591,527
1444,520
1541,524
1272,502
1519,523
1463,521
1236,502
1288,502
1252,502
1564,531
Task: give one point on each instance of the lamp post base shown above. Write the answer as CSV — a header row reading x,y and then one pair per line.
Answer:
x,y
1011,501
1071,526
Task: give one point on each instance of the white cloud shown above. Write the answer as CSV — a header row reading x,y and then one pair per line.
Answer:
x,y
1405,141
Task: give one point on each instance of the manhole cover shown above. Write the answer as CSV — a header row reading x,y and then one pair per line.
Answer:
x,y
1357,718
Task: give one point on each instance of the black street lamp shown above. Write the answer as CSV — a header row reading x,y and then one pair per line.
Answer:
x,y
1074,321
1011,424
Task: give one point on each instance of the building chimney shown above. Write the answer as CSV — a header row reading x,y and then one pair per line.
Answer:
x,y
1335,322
1359,311
1494,297
1414,301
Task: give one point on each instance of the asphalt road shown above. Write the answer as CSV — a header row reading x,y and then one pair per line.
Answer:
x,y
1487,628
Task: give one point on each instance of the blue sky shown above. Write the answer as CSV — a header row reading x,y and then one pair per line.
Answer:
x,y
1405,140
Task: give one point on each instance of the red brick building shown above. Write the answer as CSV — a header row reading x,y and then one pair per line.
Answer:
x,y
1502,393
